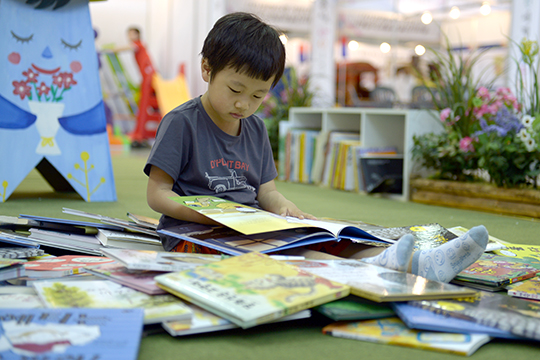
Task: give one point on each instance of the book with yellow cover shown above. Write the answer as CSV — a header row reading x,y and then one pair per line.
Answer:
x,y
393,331
251,289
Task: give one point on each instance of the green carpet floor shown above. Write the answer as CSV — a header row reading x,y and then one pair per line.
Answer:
x,y
292,340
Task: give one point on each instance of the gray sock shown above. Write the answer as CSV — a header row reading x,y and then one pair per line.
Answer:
x,y
446,261
397,256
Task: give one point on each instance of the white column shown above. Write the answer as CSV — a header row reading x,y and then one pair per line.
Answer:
x,y
323,68
525,24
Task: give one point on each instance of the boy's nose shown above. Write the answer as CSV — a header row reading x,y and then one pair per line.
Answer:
x,y
242,105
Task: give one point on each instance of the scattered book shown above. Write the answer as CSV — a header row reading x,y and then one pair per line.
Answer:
x,y
107,295
421,319
204,322
11,238
393,331
426,236
19,252
159,261
145,221
380,284
529,254
52,266
517,316
128,240
105,334
80,243
528,289
20,301
142,280
494,272
251,289
355,308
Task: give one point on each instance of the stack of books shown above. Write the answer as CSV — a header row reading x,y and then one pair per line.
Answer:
x,y
252,284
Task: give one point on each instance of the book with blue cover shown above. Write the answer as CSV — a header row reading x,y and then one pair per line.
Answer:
x,y
105,334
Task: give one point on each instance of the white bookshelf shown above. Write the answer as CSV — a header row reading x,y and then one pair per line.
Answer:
x,y
377,128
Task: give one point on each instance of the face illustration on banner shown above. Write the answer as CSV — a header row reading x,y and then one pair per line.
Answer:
x,y
48,55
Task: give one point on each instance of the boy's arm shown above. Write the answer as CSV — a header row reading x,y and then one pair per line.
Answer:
x,y
270,199
158,191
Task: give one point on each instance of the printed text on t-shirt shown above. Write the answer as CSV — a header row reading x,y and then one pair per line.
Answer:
x,y
231,164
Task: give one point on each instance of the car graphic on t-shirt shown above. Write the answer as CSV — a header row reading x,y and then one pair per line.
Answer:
x,y
224,183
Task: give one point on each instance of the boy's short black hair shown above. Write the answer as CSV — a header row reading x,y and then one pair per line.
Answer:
x,y
247,44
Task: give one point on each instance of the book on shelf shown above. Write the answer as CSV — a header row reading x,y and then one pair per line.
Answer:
x,y
494,272
128,240
105,334
141,280
393,331
331,154
251,289
203,321
108,294
52,267
19,252
380,284
299,152
159,261
518,316
527,289
421,319
355,308
494,244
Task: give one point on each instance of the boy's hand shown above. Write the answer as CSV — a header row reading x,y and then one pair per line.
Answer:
x,y
295,212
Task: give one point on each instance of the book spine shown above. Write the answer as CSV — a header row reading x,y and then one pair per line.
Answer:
x,y
523,294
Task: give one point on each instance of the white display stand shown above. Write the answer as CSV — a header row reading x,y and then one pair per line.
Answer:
x,y
377,128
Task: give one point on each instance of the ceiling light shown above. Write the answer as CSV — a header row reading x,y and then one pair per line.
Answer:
x,y
283,39
485,9
454,12
419,50
385,47
353,45
426,18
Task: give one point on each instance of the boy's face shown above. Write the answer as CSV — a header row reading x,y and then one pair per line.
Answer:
x,y
133,35
232,96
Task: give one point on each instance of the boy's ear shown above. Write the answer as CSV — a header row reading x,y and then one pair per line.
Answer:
x,y
205,70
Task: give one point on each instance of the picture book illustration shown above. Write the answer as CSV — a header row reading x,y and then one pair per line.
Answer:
x,y
528,289
496,271
529,254
380,284
251,288
393,331
52,112
108,295
104,334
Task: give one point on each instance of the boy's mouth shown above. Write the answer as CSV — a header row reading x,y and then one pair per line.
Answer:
x,y
237,116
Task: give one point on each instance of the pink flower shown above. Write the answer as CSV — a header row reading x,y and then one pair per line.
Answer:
x,y
466,144
58,80
64,79
31,76
43,89
21,88
445,113
483,93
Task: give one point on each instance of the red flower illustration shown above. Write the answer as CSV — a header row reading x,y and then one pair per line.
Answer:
x,y
21,88
43,89
31,76
58,80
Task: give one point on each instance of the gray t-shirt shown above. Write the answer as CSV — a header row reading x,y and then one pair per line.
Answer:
x,y
204,160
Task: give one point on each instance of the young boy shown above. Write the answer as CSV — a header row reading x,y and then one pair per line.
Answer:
x,y
216,136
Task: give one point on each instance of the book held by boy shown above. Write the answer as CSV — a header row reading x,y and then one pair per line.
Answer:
x,y
393,331
105,334
251,289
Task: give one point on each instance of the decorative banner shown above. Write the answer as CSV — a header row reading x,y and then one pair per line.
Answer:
x,y
51,109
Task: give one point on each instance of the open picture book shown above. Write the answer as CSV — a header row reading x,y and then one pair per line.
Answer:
x,y
245,229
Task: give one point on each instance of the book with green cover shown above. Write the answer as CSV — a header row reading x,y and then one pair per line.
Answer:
x,y
393,331
354,308
251,289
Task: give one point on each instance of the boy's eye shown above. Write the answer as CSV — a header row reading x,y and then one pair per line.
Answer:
x,y
234,91
257,97
21,38
70,46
